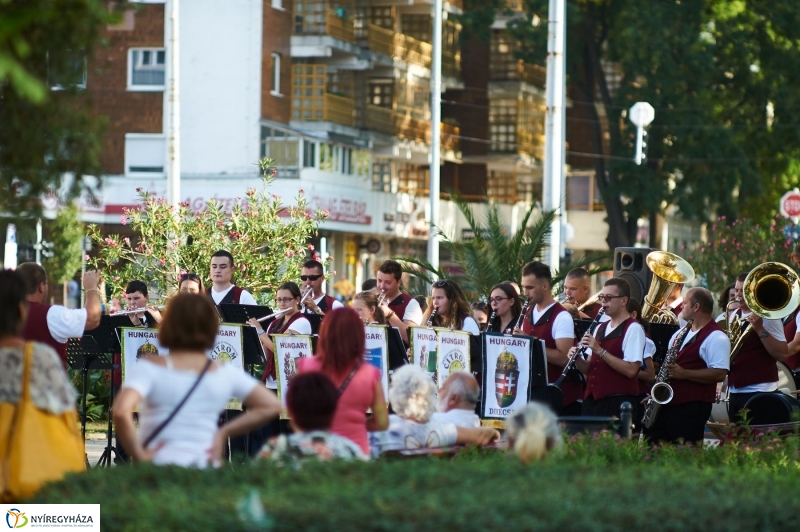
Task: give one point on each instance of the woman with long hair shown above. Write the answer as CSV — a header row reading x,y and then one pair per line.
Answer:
x,y
340,356
292,321
183,393
190,283
366,304
452,309
506,306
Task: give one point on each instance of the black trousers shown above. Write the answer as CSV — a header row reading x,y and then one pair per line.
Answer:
x,y
572,409
686,421
736,404
607,406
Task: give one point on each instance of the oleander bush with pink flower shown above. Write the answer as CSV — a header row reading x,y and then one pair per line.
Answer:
x,y
268,238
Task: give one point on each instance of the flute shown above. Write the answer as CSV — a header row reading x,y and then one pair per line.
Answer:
x,y
136,311
275,314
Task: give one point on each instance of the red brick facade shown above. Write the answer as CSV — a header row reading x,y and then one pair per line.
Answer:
x,y
276,35
127,111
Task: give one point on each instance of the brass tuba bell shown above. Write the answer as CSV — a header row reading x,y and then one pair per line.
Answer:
x,y
668,270
772,291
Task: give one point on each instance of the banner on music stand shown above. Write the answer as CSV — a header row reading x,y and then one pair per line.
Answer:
x,y
288,348
452,353
423,343
136,343
229,349
377,353
506,376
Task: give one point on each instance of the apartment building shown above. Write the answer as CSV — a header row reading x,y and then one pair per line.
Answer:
x,y
338,94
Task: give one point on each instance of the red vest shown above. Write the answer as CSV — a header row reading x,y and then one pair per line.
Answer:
x,y
789,330
399,304
602,379
276,327
689,358
326,303
753,365
231,298
678,309
592,310
543,329
36,329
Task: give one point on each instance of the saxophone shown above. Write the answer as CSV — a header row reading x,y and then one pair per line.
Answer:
x,y
662,392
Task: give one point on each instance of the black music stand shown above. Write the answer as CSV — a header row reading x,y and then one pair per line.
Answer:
x,y
84,354
397,349
315,320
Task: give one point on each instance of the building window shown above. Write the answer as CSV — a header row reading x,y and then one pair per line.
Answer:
x,y
413,179
277,4
145,154
146,69
502,187
380,93
583,193
276,74
282,147
382,177
417,26
66,70
309,154
503,124
308,92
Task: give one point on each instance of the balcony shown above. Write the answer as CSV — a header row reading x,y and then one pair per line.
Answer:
x,y
316,18
329,108
404,126
518,71
516,124
399,47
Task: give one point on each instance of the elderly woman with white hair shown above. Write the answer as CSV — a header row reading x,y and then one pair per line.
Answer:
x,y
413,398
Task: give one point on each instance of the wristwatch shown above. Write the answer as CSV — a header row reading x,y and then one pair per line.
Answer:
x,y
765,334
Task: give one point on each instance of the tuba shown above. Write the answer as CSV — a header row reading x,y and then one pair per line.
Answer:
x,y
772,292
668,270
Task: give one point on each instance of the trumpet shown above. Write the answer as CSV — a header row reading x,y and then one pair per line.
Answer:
x,y
275,314
381,297
303,298
591,301
430,318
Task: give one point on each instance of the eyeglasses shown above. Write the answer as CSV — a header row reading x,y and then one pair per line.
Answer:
x,y
310,277
440,284
285,299
603,297
497,299
479,305
189,277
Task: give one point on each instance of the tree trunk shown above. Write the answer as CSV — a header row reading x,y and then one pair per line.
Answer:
x,y
656,229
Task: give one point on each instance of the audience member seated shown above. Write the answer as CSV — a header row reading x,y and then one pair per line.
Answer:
x,y
458,397
311,402
532,432
191,437
413,398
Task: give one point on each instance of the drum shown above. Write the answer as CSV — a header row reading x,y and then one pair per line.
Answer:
x,y
772,408
786,377
719,410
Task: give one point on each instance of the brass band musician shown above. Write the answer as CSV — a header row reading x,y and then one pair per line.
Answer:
x,y
702,362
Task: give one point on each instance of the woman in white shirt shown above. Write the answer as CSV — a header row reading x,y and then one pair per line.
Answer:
x,y
190,437
452,309
291,322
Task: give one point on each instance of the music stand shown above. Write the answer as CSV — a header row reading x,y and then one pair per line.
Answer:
x,y
253,350
397,349
84,354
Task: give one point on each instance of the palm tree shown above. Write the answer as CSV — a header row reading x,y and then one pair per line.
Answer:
x,y
491,255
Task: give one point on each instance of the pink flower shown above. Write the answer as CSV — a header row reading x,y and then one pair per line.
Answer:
x,y
242,267
289,253
307,215
724,241
139,190
116,277
123,220
311,247
273,172
127,240
86,257
184,204
702,250
301,191
162,262
326,213
251,192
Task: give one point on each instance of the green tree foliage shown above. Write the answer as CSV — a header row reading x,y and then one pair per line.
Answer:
x,y
46,133
66,233
711,69
738,245
493,255
268,239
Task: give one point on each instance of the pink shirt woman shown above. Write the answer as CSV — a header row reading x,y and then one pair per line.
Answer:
x,y
341,349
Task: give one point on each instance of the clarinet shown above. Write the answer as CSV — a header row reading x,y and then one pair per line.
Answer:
x,y
522,314
430,318
661,393
491,320
583,351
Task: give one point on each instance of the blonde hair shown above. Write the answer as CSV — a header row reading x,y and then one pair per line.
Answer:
x,y
371,301
532,432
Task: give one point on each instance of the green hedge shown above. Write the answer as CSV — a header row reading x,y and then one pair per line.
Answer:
x,y
596,483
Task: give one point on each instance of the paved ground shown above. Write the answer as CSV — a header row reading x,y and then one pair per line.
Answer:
x,y
95,445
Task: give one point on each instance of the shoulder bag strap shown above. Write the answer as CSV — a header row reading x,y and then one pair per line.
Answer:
x,y
343,387
166,422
